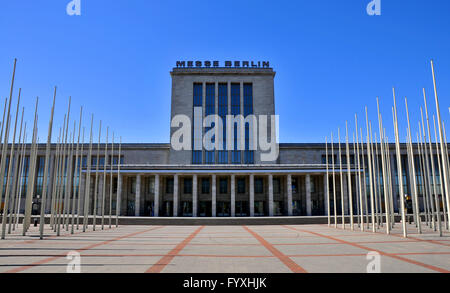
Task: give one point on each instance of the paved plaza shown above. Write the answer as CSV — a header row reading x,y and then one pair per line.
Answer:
x,y
226,249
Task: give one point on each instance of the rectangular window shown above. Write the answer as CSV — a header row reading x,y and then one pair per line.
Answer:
x,y
198,102
210,157
235,99
210,105
187,183
294,185
133,185
223,185
236,157
248,99
259,186
241,185
276,186
205,185
196,157
169,185
223,112
198,95
222,157
235,110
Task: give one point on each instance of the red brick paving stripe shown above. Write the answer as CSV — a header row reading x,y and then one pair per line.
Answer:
x,y
292,265
47,260
431,267
165,260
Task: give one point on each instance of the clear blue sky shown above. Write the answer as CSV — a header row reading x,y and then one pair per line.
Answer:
x,y
331,58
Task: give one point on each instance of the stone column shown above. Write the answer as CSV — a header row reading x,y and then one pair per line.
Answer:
x,y
289,194
156,196
175,195
325,193
119,194
213,196
308,195
194,196
137,205
270,195
252,195
233,195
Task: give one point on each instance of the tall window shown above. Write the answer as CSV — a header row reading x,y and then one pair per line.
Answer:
x,y
198,102
259,185
248,110
223,112
169,185
205,185
187,183
40,175
210,109
235,110
223,185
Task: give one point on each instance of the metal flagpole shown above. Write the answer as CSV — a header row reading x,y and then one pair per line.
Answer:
x,y
10,171
334,182
424,182
6,139
365,184
31,175
433,169
413,174
342,184
376,174
357,194
441,138
3,119
399,168
369,159
77,163
118,196
65,172
15,175
440,179
448,165
46,165
70,184
328,183
88,181
19,183
383,166
104,178
80,175
359,176
55,181
96,176
349,181
60,177
428,172
111,181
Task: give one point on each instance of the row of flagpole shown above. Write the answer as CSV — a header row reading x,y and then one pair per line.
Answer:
x,y
380,188
20,161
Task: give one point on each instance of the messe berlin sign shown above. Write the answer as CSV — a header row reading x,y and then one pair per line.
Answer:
x,y
229,64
